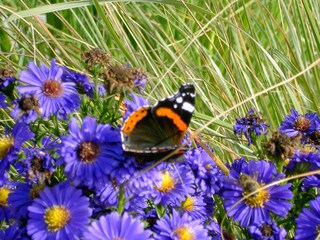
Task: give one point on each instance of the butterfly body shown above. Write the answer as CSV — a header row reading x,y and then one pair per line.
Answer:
x,y
155,131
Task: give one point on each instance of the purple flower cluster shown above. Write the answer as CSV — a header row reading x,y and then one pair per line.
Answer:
x,y
64,173
307,157
83,83
308,221
250,126
10,144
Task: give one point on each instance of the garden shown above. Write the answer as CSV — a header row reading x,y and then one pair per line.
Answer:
x,y
162,119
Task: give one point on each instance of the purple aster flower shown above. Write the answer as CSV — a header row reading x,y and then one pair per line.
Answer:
x,y
39,163
136,179
175,184
15,231
122,182
308,221
150,218
26,108
214,231
180,227
135,104
207,174
296,123
198,207
22,197
139,78
10,145
6,78
107,196
5,190
115,226
125,170
101,90
311,181
90,153
306,158
255,208
315,161
250,126
60,213
3,104
267,231
238,165
84,85
136,186
136,204
55,97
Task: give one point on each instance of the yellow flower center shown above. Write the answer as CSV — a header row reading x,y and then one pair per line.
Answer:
x,y
56,218
167,184
184,233
188,204
258,200
4,193
5,144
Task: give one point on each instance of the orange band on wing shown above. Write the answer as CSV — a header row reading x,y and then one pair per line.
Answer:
x,y
167,112
133,119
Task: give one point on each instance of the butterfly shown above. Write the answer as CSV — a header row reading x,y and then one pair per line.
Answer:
x,y
152,132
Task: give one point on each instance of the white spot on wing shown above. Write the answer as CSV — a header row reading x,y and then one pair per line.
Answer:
x,y
179,100
188,107
175,106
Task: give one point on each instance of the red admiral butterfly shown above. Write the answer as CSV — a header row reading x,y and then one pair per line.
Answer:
x,y
155,131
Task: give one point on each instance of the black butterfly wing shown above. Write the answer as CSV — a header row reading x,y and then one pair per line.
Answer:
x,y
142,133
161,127
174,114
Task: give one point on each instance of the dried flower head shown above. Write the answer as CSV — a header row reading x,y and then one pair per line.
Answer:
x,y
315,137
118,77
26,108
96,57
6,77
282,146
251,125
